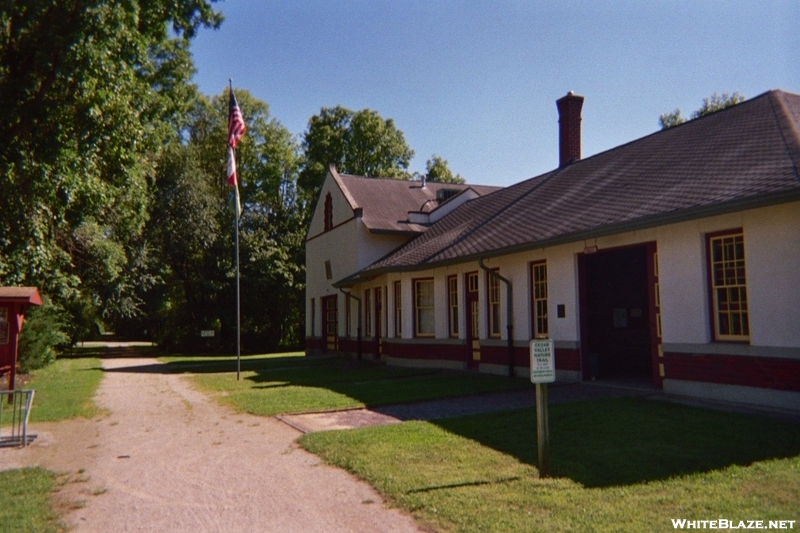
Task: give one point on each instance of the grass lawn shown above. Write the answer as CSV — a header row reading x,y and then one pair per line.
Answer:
x,y
64,390
291,383
617,465
25,497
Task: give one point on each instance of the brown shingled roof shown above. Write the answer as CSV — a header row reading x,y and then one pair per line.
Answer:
x,y
385,203
27,295
741,157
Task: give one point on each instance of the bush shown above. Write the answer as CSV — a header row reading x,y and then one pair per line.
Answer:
x,y
44,330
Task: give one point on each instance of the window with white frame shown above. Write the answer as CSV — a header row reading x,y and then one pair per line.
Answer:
x,y
398,309
494,306
728,284
368,312
424,315
331,314
452,304
539,299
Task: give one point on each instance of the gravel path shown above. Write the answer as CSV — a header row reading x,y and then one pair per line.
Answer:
x,y
166,458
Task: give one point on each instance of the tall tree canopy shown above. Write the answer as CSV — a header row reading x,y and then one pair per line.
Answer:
x,y
359,142
91,93
437,170
711,104
192,229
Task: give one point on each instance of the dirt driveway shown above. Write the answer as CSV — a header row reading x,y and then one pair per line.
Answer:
x,y
166,458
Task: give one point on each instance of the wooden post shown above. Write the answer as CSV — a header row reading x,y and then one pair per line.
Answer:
x,y
543,371
543,430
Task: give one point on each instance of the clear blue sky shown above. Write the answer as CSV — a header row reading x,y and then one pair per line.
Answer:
x,y
476,82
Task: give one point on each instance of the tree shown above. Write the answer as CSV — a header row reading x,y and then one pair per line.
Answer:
x,y
192,229
360,143
437,170
91,94
714,103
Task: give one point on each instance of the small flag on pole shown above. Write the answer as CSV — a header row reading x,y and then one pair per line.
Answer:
x,y
232,178
236,129
231,168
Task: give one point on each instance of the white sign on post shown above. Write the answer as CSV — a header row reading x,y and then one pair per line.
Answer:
x,y
543,361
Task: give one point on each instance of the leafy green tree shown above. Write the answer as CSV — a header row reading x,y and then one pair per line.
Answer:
x,y
437,170
185,229
43,334
360,143
192,227
91,94
711,104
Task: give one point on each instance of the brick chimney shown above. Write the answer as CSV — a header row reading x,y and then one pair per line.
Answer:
x,y
569,128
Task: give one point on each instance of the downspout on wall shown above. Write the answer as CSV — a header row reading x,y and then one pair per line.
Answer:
x,y
509,315
358,323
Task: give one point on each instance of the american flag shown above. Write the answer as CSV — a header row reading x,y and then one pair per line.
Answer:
x,y
236,127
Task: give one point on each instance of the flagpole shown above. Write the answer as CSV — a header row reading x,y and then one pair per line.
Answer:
x,y
238,300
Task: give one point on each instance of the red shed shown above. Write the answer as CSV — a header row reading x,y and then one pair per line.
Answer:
x,y
14,301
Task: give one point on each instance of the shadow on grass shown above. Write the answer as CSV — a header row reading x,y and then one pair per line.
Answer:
x,y
111,351
368,383
211,367
622,441
200,364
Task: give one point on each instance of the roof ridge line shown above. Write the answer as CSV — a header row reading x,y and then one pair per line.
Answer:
x,y
787,127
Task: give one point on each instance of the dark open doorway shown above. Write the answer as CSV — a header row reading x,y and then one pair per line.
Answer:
x,y
617,314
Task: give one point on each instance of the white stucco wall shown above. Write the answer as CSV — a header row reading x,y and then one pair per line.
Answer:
x,y
349,247
337,246
772,252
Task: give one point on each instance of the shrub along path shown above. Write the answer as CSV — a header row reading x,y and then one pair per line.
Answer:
x,y
166,458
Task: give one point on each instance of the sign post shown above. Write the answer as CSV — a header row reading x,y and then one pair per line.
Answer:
x,y
543,371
